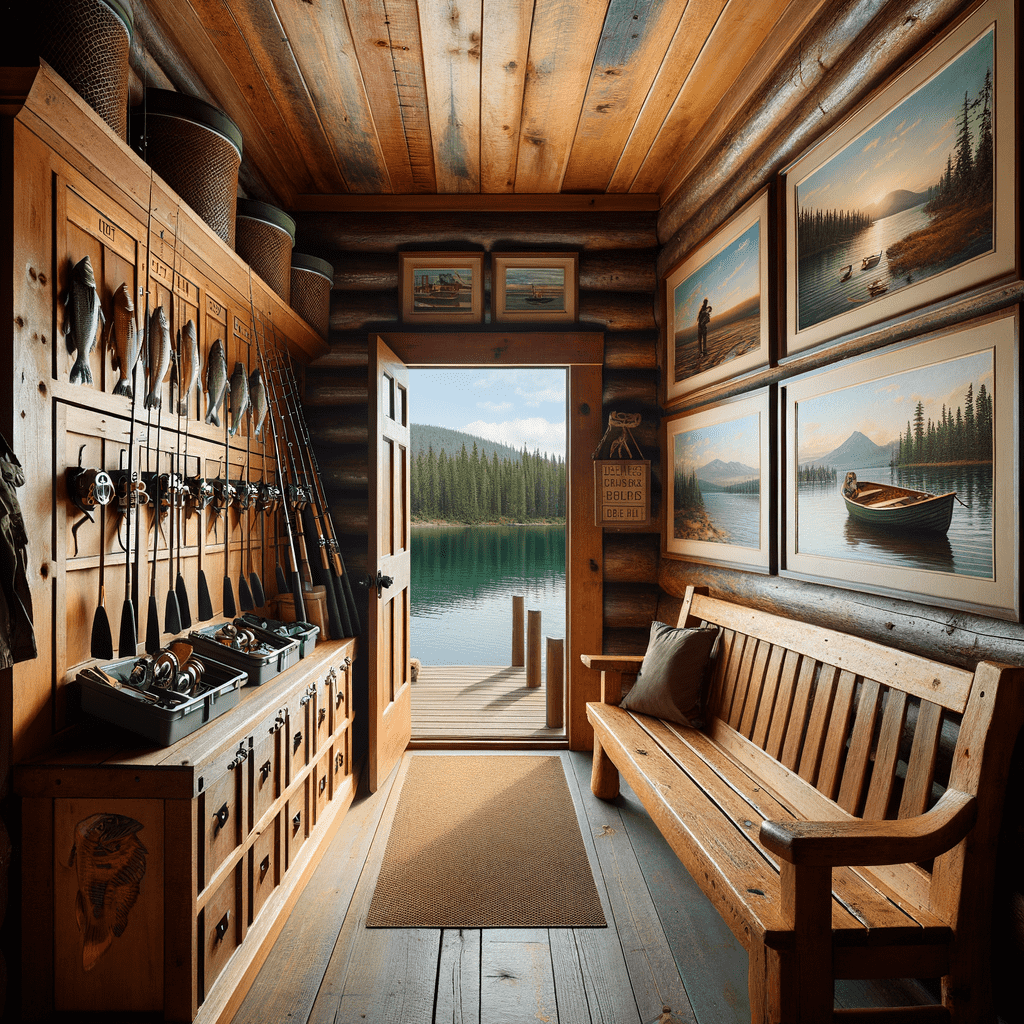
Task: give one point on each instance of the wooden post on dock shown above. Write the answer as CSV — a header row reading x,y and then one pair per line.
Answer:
x,y
533,648
555,682
518,604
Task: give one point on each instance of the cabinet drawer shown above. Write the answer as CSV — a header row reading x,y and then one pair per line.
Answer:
x,y
264,869
300,739
341,694
297,820
267,766
322,791
220,928
222,821
340,767
322,712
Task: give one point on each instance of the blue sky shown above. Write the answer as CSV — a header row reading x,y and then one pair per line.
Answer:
x,y
734,441
728,278
511,406
906,149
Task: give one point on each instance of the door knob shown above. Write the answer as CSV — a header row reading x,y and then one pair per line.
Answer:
x,y
380,582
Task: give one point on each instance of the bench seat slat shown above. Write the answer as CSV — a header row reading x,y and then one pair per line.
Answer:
x,y
918,676
861,911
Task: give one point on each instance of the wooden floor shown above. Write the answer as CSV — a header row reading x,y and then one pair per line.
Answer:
x,y
490,702
666,944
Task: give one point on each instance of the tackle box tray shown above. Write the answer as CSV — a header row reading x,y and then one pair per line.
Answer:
x,y
162,725
304,632
282,652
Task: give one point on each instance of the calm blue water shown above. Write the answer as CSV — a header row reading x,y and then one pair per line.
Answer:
x,y
825,528
463,580
822,295
739,515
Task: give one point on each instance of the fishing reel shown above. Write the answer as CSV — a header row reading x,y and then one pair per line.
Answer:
x,y
298,496
245,495
223,495
268,497
199,492
87,489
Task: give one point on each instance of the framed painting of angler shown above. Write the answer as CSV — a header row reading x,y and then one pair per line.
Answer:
x,y
717,305
900,470
912,199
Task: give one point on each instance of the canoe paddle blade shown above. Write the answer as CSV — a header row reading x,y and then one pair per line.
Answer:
x,y
244,595
205,601
102,645
128,642
229,609
256,585
181,593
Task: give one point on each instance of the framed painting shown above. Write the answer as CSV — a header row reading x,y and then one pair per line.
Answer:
x,y
535,286
441,287
913,198
718,503
901,470
716,305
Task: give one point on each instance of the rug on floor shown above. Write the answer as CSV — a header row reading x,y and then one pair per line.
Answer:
x,y
485,842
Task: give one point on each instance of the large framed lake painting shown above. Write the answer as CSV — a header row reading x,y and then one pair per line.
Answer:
x,y
913,198
718,504
716,305
901,471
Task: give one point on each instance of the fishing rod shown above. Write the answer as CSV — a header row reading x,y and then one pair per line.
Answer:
x,y
180,590
320,495
244,496
327,571
257,412
296,582
229,608
172,612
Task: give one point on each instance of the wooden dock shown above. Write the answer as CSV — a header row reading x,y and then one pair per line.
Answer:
x,y
467,702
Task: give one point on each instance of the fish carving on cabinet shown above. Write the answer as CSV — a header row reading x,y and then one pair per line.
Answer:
x,y
110,862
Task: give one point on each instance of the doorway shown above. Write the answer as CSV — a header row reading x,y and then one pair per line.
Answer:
x,y
488,508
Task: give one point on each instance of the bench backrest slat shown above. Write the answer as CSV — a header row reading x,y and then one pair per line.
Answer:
x,y
783,704
883,778
798,714
834,751
755,688
924,753
858,761
769,697
817,722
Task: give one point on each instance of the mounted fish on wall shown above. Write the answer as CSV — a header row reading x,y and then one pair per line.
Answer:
x,y
83,316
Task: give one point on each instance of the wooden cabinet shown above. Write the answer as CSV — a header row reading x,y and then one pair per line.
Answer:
x,y
202,846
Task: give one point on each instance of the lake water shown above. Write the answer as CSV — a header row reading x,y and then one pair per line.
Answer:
x,y
463,580
825,528
822,295
739,515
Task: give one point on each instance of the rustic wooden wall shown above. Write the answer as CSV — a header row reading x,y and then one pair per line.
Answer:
x,y
617,287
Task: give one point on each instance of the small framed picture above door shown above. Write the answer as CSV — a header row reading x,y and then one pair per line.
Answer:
x,y
441,287
535,286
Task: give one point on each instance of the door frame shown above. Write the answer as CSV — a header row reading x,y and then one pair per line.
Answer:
x,y
582,355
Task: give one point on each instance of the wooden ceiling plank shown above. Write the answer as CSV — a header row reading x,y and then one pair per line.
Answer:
x,y
562,47
697,23
506,47
499,202
274,61
736,37
792,25
323,46
633,45
185,30
451,31
386,34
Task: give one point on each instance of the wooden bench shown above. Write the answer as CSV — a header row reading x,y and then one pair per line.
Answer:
x,y
816,814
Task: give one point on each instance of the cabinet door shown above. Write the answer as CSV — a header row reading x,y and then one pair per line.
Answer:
x,y
264,867
268,768
220,927
221,820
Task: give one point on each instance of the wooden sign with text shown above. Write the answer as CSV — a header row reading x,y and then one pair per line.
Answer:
x,y
623,492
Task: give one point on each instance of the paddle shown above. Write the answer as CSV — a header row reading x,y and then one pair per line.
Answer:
x,y
102,643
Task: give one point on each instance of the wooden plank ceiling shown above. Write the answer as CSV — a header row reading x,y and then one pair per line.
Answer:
x,y
343,103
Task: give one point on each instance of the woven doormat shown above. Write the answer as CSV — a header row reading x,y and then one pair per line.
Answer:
x,y
485,842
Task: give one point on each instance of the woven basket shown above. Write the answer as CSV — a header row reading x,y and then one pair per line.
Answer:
x,y
196,149
264,237
312,279
87,43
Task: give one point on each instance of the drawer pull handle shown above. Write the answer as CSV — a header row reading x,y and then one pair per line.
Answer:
x,y
297,740
222,927
265,769
222,816
278,724
240,755
321,715
297,821
305,699
323,784
347,661
338,698
339,760
332,674
264,867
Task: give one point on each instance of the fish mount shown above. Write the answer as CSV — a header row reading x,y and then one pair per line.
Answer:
x,y
87,489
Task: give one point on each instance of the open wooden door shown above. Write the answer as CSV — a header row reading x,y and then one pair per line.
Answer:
x,y
389,562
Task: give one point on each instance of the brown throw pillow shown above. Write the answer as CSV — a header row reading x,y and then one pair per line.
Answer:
x,y
673,673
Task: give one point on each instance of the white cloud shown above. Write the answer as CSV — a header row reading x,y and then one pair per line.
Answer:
x,y
535,432
495,406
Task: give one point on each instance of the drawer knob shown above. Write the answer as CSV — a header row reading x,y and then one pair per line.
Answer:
x,y
265,769
278,724
321,715
240,755
221,815
332,674
339,760
264,867
323,783
305,699
338,698
222,927
346,662
297,821
297,740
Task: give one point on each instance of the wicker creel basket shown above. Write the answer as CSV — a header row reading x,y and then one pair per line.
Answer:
x,y
312,279
87,42
196,149
264,236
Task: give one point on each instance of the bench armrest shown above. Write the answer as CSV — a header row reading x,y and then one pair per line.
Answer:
x,y
856,842
611,667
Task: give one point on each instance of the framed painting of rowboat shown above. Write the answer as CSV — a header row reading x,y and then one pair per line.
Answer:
x,y
441,287
900,470
717,305
535,286
912,199
718,504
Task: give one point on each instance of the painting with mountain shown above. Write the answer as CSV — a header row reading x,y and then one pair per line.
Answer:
x,y
904,202
719,483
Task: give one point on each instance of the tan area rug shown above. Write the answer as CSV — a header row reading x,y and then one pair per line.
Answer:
x,y
485,842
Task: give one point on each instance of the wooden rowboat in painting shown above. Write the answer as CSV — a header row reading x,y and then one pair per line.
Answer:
x,y
897,508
